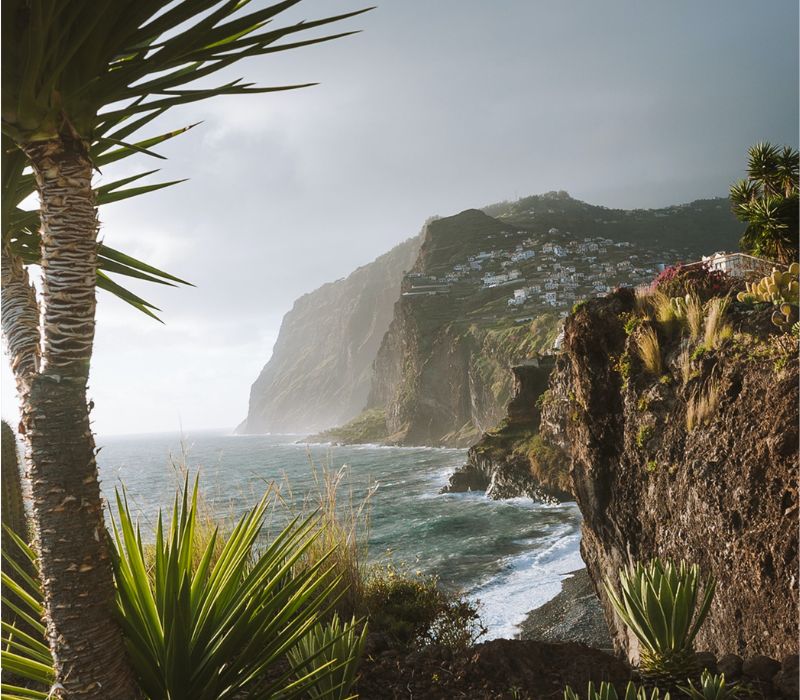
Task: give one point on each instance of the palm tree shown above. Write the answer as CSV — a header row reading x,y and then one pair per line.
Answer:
x,y
767,201
78,77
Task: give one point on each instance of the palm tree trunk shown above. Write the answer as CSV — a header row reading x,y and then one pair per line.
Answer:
x,y
84,637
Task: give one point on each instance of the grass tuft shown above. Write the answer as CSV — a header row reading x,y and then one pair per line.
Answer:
x,y
716,331
702,405
650,351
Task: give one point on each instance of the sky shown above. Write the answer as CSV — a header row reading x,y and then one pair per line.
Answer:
x,y
435,107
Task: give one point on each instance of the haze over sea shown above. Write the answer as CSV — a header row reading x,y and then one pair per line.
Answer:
x,y
510,554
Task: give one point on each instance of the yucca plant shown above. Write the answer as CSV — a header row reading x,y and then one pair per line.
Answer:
x,y
333,646
24,656
712,687
210,632
74,74
606,691
658,601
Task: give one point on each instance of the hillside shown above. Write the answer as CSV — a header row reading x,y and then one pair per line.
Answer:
x,y
321,366
489,292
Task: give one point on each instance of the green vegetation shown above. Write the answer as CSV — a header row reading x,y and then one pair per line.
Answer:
x,y
329,655
622,365
712,687
782,289
366,428
658,603
212,631
606,691
643,435
549,464
25,658
211,628
412,610
86,78
767,201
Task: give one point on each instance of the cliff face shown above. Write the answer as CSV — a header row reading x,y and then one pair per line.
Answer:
x,y
719,490
442,374
320,370
512,459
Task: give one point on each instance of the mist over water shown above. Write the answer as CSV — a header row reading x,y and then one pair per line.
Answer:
x,y
510,554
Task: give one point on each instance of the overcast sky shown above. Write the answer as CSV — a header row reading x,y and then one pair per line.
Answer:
x,y
438,106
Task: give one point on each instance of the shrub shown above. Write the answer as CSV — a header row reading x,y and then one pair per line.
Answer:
x,y
666,313
412,610
330,646
658,603
680,280
649,351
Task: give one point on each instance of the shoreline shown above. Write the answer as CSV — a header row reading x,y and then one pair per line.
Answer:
x,y
573,615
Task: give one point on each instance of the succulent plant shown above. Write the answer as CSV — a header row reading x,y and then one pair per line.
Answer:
x,y
712,687
606,691
776,288
658,601
785,317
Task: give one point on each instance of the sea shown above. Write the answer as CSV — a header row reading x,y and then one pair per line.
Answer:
x,y
509,555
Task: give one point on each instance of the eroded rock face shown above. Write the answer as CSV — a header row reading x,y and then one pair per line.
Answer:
x,y
723,495
500,462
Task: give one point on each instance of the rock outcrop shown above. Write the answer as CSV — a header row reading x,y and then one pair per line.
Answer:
x,y
718,487
512,459
321,366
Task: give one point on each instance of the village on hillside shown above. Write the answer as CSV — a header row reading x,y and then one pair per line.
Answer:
x,y
540,273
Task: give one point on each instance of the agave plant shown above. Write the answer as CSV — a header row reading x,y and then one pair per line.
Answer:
x,y
332,645
658,601
606,691
202,630
24,656
211,631
712,687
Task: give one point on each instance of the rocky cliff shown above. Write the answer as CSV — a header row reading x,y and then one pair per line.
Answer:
x,y
512,459
442,374
321,366
695,461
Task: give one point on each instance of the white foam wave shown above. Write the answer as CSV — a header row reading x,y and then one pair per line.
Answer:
x,y
526,582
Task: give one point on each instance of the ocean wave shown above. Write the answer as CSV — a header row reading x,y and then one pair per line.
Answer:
x,y
527,581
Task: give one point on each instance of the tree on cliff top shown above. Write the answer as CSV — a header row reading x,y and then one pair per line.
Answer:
x,y
767,201
73,73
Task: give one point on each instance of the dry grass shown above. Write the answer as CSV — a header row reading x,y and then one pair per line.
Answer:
x,y
642,301
665,313
650,351
702,405
685,363
694,316
342,533
716,331
207,524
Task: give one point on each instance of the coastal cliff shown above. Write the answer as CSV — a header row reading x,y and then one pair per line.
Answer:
x,y
656,476
513,459
321,366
